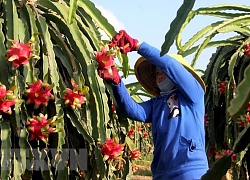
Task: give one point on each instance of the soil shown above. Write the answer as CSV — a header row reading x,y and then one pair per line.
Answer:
x,y
146,170
141,173
137,177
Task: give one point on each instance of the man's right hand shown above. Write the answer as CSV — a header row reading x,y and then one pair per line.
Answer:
x,y
124,42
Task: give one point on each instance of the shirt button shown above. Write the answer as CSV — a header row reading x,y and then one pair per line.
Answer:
x,y
192,147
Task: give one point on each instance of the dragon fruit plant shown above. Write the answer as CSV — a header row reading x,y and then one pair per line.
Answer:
x,y
43,46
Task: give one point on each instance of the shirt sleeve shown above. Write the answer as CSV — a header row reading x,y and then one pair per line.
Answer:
x,y
136,111
175,71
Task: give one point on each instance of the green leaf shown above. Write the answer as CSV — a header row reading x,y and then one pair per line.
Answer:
x,y
82,51
11,24
211,44
31,73
219,169
5,148
24,146
62,169
236,28
72,10
3,68
220,14
225,7
101,21
99,162
64,60
242,141
127,170
202,46
239,103
76,121
214,31
130,143
176,24
17,168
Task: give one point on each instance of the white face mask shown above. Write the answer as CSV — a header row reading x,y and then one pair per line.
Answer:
x,y
166,85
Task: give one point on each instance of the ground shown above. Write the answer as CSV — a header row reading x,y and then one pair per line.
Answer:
x,y
142,173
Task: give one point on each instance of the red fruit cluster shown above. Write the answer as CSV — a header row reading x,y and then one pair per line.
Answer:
x,y
7,99
39,93
244,121
131,132
111,149
105,58
40,127
222,86
221,153
119,165
135,154
75,98
247,50
19,53
145,134
248,107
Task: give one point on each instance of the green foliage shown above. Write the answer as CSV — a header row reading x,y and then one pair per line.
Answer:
x,y
176,24
227,89
219,169
64,36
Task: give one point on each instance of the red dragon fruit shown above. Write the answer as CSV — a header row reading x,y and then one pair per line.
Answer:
x,y
76,97
19,53
105,58
135,154
247,50
40,127
111,149
7,99
39,93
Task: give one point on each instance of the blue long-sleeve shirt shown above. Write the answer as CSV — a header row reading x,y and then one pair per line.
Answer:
x,y
179,141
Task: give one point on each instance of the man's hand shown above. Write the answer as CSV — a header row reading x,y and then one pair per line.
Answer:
x,y
124,42
114,77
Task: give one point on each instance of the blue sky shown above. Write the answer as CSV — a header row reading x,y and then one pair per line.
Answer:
x,y
149,21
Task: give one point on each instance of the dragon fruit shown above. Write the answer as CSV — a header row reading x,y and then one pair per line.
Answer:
x,y
39,127
76,97
39,93
7,99
105,58
19,53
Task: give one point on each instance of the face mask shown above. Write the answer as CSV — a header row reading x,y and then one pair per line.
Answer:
x,y
166,85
